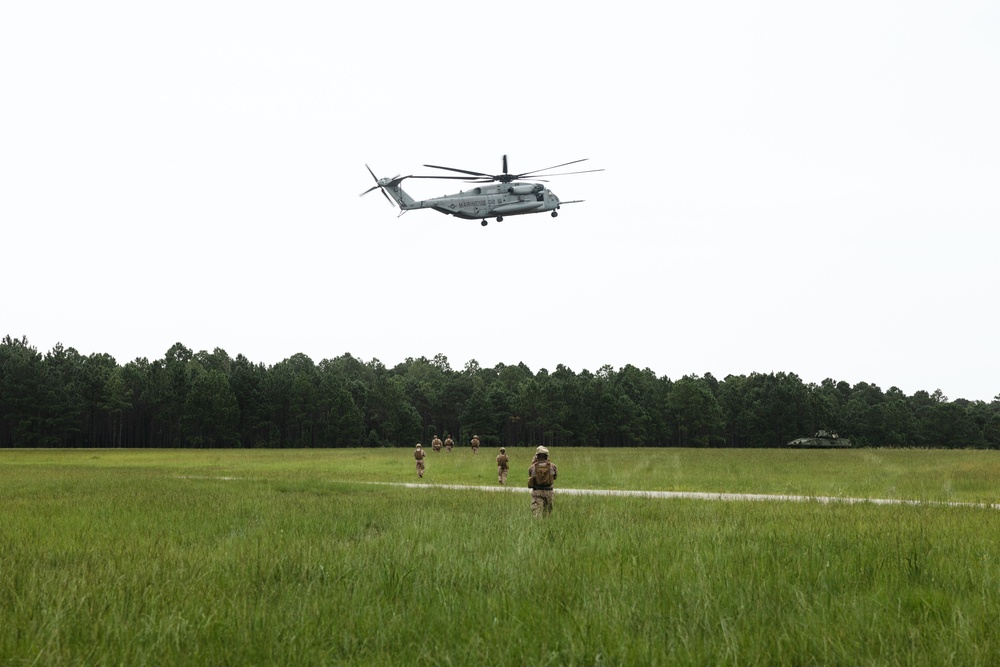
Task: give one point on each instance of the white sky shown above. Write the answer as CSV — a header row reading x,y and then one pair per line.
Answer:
x,y
789,186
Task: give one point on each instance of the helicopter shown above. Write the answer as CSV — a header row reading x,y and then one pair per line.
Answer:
x,y
499,195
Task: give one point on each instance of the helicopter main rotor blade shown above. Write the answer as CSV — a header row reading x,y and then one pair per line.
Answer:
x,y
455,178
568,173
564,164
461,171
506,176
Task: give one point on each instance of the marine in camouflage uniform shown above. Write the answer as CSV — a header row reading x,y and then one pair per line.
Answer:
x,y
475,444
541,493
419,455
449,443
502,461
436,443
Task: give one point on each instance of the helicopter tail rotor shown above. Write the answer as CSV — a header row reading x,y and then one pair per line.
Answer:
x,y
378,185
391,190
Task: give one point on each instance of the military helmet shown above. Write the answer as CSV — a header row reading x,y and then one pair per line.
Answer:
x,y
503,449
542,450
418,445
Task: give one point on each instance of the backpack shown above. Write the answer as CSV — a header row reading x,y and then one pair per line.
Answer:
x,y
502,461
543,474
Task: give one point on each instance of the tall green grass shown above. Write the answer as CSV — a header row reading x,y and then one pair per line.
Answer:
x,y
274,557
940,475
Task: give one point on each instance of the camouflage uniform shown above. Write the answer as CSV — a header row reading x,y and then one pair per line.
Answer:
x,y
502,461
449,443
541,502
436,444
541,497
419,455
475,444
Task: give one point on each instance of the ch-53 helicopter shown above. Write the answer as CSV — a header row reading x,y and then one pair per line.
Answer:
x,y
508,197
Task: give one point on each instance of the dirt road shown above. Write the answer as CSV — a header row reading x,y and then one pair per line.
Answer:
x,y
697,495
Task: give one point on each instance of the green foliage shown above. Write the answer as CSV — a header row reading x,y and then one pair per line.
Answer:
x,y
202,399
696,412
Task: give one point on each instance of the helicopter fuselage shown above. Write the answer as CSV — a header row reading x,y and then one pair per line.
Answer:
x,y
493,201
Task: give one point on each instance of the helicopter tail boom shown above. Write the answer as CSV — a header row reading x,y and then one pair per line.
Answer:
x,y
403,200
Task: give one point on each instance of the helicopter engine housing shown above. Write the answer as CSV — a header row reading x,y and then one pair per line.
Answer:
x,y
525,189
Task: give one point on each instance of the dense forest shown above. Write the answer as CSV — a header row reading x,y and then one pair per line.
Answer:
x,y
208,399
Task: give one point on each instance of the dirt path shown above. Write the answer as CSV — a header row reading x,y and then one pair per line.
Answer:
x,y
697,495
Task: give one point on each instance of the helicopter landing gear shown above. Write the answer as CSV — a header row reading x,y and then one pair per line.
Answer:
x,y
484,223
499,218
555,214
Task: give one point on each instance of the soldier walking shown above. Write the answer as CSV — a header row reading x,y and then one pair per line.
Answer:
x,y
436,443
419,455
541,477
475,444
448,443
502,461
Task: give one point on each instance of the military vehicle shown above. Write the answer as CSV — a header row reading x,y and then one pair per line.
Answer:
x,y
822,440
510,197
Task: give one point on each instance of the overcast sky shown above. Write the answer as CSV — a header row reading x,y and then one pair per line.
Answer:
x,y
800,187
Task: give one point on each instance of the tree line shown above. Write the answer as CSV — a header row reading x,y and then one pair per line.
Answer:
x,y
209,399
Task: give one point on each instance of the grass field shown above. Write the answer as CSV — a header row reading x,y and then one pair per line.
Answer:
x,y
236,557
